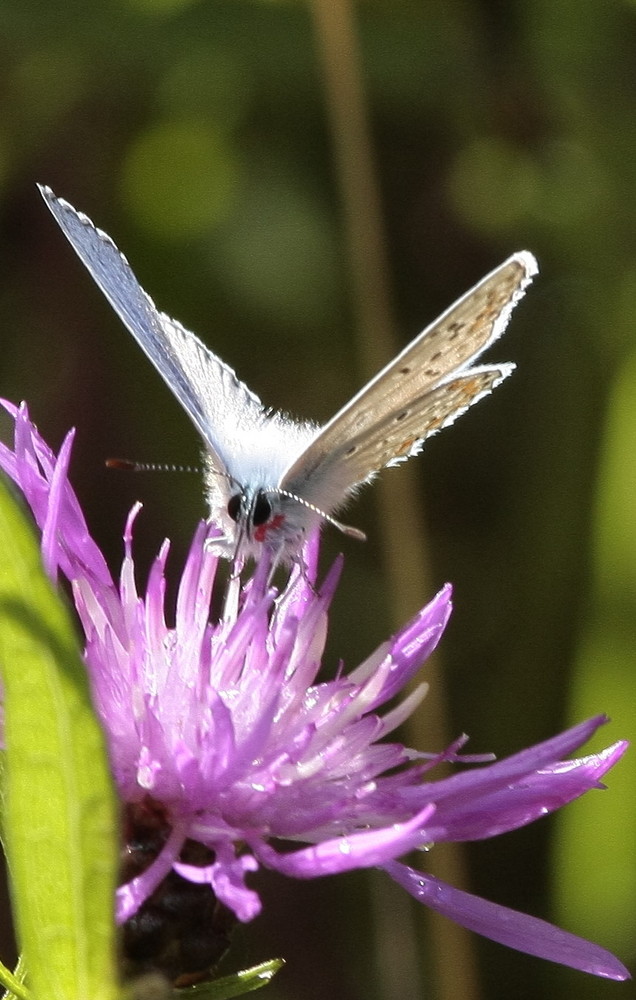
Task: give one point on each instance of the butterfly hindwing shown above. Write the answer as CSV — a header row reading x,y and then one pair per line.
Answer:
x,y
395,436
422,390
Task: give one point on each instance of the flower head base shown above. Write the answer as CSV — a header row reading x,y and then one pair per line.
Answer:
x,y
225,727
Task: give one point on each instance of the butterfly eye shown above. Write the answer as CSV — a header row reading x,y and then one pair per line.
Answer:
x,y
262,510
234,506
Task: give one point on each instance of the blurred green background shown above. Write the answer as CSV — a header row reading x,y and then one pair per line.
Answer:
x,y
220,144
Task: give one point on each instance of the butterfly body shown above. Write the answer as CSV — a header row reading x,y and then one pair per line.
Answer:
x,y
270,479
254,506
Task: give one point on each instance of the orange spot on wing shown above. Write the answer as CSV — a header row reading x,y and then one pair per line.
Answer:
x,y
472,388
434,425
405,446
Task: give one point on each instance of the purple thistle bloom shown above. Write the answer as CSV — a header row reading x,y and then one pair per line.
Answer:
x,y
224,727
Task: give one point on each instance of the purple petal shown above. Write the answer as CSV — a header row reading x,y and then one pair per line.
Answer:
x,y
516,803
131,895
543,755
409,648
516,930
50,541
355,850
32,467
229,886
227,878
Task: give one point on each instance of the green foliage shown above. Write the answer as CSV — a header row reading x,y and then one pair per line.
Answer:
x,y
13,982
236,985
186,166
599,838
59,815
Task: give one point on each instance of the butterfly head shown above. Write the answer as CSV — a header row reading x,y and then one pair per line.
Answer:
x,y
257,518
258,515
257,512
252,518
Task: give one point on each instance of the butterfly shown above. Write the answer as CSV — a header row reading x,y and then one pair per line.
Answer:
x,y
270,479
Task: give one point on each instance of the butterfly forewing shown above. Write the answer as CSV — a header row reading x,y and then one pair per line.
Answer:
x,y
209,391
393,414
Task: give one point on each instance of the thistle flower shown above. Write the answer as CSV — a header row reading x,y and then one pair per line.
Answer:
x,y
222,730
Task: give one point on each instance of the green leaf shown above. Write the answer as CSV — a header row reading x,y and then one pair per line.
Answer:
x,y
235,985
60,821
13,982
593,835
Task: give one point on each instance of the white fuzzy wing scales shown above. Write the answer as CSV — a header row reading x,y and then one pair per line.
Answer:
x,y
423,389
218,403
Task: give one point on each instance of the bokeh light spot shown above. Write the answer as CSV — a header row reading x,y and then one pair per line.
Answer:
x,y
179,177
493,184
278,252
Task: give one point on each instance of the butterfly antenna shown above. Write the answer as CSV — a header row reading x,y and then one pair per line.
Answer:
x,y
128,465
346,529
223,475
